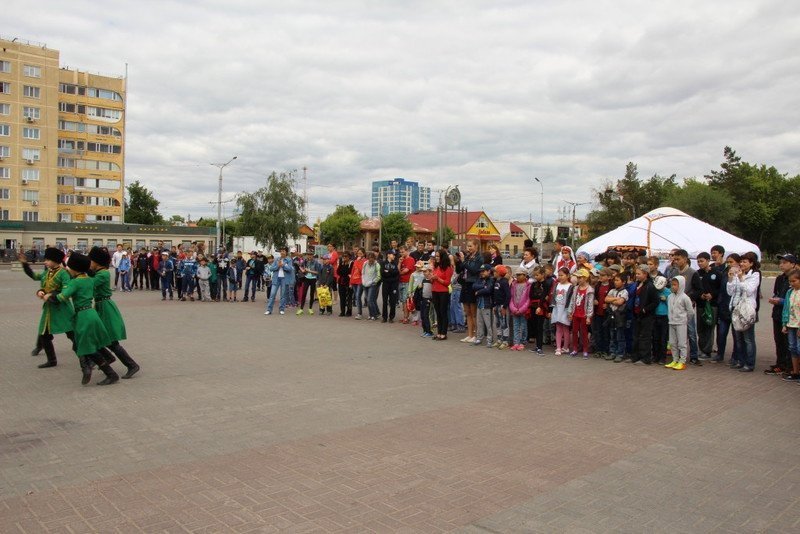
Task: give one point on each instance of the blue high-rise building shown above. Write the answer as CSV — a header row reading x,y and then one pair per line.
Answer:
x,y
399,196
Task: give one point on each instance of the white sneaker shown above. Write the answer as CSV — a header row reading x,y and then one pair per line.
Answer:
x,y
283,312
465,340
267,312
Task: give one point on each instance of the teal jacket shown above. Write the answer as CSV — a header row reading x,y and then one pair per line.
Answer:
x,y
787,307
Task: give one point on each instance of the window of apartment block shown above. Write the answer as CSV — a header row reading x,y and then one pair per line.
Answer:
x,y
3,215
5,66
111,243
5,194
31,112
30,216
5,173
97,242
31,133
82,244
5,130
5,151
65,199
32,175
68,88
30,196
5,109
66,180
5,88
67,217
31,91
31,153
32,71
70,126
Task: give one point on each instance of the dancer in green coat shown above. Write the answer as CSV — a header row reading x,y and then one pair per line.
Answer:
x,y
56,318
108,311
90,334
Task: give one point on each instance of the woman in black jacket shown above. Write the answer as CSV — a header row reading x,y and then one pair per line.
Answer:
x,y
644,307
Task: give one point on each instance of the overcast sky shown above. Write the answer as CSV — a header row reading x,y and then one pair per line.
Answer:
x,y
485,95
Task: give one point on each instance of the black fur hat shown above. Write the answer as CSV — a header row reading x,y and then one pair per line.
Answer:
x,y
53,254
78,262
100,256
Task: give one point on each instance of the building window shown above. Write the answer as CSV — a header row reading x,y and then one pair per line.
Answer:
x,y
103,113
68,88
65,199
69,163
97,242
5,194
32,71
31,91
66,217
31,133
31,112
112,243
70,126
103,130
82,244
3,215
5,66
104,147
66,180
5,173
64,107
31,153
5,109
30,196
5,151
5,130
30,216
5,88
32,175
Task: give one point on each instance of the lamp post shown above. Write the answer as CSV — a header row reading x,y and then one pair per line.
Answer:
x,y
219,198
541,215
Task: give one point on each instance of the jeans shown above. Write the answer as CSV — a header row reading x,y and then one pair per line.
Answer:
x,y
746,343
166,285
358,291
500,323
277,285
187,285
723,327
456,313
692,333
126,280
617,346
372,300
600,333
520,327
309,288
793,342
424,313
250,287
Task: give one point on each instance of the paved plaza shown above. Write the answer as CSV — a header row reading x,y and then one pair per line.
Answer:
x,y
240,422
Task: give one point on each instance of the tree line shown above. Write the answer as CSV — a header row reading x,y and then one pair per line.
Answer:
x,y
756,202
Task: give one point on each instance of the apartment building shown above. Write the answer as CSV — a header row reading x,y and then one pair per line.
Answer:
x,y
61,139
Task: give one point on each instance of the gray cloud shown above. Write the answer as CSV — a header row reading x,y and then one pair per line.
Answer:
x,y
485,95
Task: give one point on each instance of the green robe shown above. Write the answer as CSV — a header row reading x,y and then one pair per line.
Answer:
x,y
90,334
106,308
56,318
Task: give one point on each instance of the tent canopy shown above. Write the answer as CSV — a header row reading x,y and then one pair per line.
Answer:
x,y
664,229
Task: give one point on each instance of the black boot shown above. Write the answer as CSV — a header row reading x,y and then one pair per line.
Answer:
x,y
38,348
86,369
111,375
125,358
107,356
49,350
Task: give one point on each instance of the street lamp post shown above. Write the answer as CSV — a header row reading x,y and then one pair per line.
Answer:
x,y
541,214
219,199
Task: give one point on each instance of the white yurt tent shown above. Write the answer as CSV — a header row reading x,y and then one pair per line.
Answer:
x,y
664,229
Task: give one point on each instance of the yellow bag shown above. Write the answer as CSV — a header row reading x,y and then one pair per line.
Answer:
x,y
324,297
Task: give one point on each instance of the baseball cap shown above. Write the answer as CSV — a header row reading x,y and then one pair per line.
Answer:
x,y
791,258
486,267
520,270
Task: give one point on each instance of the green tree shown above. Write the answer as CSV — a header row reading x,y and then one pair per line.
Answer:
x,y
548,235
449,235
176,219
141,207
695,197
207,223
395,226
273,213
342,227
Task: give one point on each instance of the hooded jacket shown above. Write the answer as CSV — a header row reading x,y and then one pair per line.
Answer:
x,y
679,305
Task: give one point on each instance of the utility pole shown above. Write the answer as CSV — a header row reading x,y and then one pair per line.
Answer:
x,y
219,199
574,207
305,194
541,214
